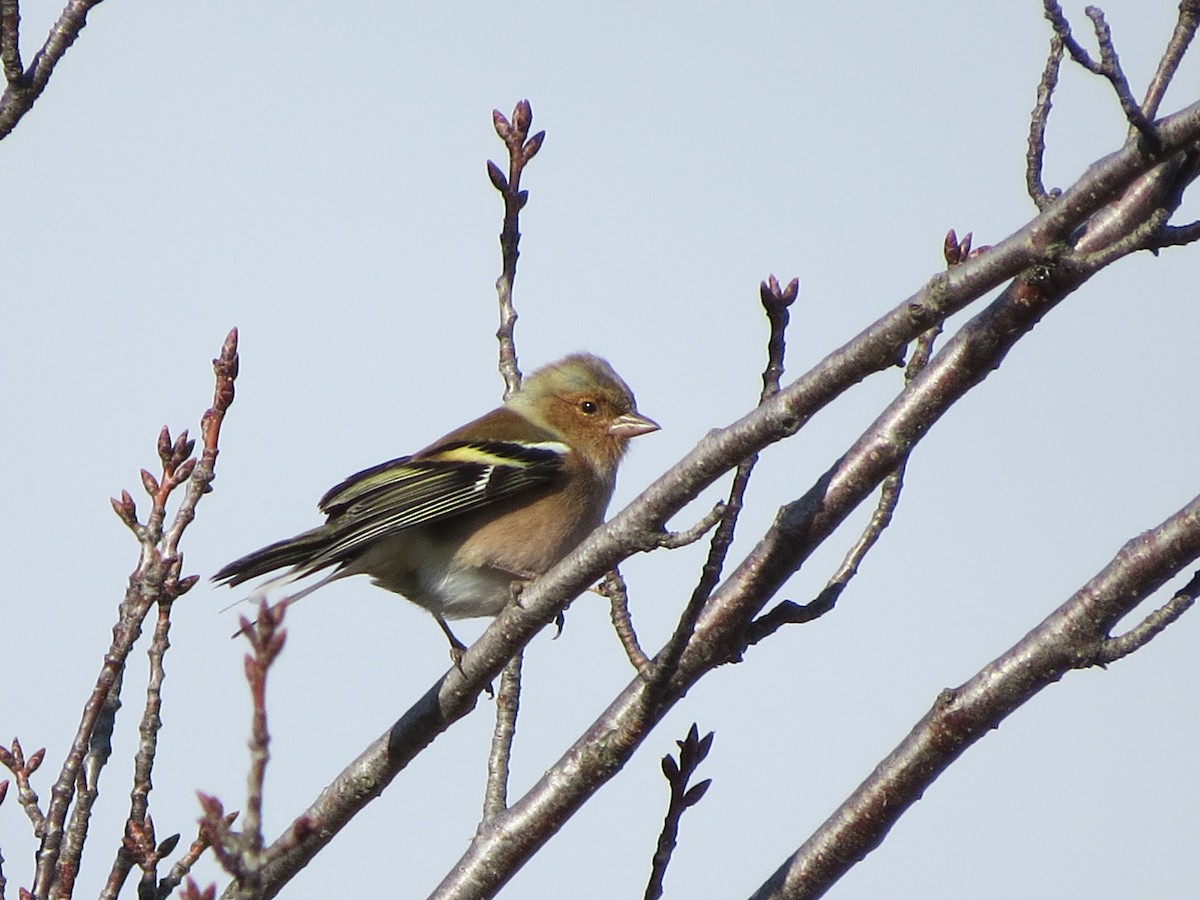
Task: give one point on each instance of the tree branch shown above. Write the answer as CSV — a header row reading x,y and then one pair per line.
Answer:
x,y
24,88
1181,39
1074,636
521,149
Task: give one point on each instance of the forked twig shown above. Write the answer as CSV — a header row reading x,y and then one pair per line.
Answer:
x,y
521,149
788,612
776,301
692,751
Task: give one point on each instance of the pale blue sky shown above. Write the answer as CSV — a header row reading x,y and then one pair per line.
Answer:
x,y
315,176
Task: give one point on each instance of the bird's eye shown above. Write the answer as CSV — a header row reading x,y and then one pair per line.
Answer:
x,y
588,407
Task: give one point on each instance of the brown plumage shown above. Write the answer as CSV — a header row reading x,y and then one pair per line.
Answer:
x,y
497,501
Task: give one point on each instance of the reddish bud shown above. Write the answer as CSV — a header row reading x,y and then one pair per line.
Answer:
x,y
950,248
164,445
522,117
499,182
149,483
167,846
670,768
503,129
790,293
125,509
697,792
184,472
533,145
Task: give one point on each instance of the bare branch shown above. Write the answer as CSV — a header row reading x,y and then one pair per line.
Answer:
x,y
10,41
14,760
1108,67
1178,235
521,149
692,751
1035,155
155,580
1154,624
508,701
1181,39
1074,636
1111,69
673,540
775,302
139,797
23,91
787,612
267,637
613,587
184,865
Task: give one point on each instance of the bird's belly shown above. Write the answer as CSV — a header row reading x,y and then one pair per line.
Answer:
x,y
466,593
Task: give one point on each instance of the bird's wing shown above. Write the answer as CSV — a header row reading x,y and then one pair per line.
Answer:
x,y
441,483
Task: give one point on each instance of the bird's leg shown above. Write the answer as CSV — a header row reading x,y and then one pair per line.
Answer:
x,y
457,647
518,585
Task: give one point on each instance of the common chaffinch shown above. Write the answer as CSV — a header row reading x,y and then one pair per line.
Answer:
x,y
493,503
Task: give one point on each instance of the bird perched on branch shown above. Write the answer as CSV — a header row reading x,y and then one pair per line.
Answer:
x,y
492,504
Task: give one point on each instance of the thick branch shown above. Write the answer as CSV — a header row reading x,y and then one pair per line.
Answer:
x,y
21,92
1072,637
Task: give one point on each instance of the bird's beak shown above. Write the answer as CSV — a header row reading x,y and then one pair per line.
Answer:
x,y
631,424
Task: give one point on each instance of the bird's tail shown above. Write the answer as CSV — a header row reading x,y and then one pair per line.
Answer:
x,y
303,553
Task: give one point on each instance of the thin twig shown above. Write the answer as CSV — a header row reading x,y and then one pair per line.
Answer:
x,y
267,637
788,612
10,41
1108,67
1112,70
673,540
1154,624
139,797
88,789
14,760
613,587
1062,28
776,302
521,149
1178,235
241,854
692,751
1181,39
155,579
508,702
183,865
1036,153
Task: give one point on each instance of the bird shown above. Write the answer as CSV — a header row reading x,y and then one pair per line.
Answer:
x,y
460,526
